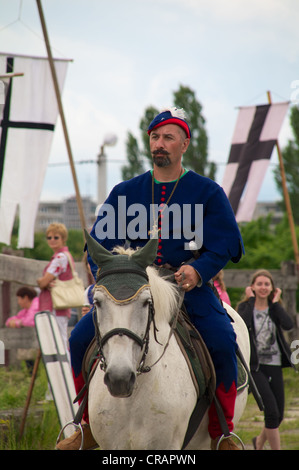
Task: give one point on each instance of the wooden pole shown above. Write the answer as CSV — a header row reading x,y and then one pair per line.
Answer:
x,y
29,393
61,112
11,75
287,198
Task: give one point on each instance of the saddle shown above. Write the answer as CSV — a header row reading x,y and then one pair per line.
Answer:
x,y
196,354
201,369
199,360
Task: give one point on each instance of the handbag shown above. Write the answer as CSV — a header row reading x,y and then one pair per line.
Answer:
x,y
68,294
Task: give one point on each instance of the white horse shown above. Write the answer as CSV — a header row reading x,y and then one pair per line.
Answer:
x,y
128,409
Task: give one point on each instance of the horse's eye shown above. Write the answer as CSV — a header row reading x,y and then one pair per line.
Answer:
x,y
97,303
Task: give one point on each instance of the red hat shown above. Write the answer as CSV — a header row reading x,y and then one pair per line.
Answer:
x,y
170,116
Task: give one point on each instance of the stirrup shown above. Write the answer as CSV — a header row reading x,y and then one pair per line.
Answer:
x,y
77,426
223,437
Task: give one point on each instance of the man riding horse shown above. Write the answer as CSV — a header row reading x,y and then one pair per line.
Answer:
x,y
183,194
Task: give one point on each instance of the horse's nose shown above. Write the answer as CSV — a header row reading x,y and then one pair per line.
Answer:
x,y
120,383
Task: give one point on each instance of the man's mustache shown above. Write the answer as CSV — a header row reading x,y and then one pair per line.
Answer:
x,y
160,152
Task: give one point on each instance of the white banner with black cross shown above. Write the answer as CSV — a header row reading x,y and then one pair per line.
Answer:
x,y
255,135
27,125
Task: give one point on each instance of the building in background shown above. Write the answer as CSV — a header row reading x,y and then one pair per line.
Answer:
x,y
263,209
65,212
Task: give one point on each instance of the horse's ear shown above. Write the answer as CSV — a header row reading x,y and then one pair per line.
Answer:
x,y
98,253
146,255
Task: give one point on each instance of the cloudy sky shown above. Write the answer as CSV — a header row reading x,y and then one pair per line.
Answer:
x,y
131,54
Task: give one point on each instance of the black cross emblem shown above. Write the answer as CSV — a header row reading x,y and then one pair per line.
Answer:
x,y
248,152
6,123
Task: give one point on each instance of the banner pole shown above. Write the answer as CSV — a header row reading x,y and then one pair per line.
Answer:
x,y
61,112
29,393
287,197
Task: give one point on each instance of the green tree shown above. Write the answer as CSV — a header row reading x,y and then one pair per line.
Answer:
x,y
265,246
290,155
149,115
196,157
135,166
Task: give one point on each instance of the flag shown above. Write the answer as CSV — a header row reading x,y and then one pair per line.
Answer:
x,y
26,132
4,82
255,135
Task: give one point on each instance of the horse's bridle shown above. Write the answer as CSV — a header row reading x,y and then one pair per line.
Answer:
x,y
142,342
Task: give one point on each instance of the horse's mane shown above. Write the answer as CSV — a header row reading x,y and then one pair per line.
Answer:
x,y
165,293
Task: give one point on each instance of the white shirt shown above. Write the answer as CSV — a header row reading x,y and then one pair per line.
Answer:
x,y
58,265
267,345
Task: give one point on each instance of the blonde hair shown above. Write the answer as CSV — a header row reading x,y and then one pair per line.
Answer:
x,y
58,228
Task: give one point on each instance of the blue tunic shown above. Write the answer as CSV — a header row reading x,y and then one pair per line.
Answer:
x,y
198,209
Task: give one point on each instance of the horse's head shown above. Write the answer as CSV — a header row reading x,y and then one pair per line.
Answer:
x,y
124,312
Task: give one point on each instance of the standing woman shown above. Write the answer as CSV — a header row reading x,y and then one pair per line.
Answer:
x,y
265,319
58,267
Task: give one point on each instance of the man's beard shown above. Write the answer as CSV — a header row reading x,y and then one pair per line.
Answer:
x,y
159,160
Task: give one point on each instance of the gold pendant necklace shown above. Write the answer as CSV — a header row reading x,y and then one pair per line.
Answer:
x,y
155,230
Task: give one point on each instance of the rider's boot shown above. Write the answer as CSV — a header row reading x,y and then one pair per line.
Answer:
x,y
74,441
225,444
227,399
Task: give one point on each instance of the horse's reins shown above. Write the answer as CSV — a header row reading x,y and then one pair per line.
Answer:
x,y
172,328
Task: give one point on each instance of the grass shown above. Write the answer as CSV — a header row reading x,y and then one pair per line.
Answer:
x,y
42,424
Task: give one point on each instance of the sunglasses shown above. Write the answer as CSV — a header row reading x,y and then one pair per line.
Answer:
x,y
55,238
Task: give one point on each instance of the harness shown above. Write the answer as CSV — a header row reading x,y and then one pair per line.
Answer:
x,y
195,352
142,342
